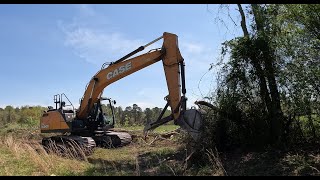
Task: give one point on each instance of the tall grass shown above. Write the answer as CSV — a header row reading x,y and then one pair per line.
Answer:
x,y
217,168
19,157
69,149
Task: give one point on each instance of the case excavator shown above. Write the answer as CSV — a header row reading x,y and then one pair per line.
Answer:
x,y
88,126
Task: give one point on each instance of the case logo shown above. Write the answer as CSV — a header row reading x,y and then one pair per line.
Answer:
x,y
44,126
119,70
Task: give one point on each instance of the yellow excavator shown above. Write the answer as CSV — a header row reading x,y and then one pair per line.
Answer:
x,y
89,126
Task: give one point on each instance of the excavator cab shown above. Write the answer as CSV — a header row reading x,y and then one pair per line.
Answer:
x,y
101,116
106,114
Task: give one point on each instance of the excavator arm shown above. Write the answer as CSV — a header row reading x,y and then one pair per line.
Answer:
x,y
174,71
110,75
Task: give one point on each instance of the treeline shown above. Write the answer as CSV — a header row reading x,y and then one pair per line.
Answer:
x,y
129,116
28,115
134,115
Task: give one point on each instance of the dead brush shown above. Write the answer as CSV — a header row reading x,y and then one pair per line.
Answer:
x,y
13,145
217,167
30,150
39,157
70,149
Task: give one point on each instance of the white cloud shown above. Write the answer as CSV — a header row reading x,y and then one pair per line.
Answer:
x,y
98,47
197,54
95,46
95,41
198,57
192,47
100,44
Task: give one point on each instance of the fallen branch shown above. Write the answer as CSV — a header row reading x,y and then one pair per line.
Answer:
x,y
153,140
169,134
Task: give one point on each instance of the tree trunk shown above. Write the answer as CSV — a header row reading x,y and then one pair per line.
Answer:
x,y
276,114
264,93
243,21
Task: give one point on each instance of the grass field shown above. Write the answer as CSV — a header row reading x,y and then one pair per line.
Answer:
x,y
20,158
22,155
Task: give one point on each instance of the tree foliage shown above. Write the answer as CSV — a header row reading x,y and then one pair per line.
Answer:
x,y
27,115
268,86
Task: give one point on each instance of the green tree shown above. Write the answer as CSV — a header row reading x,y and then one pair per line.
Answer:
x,y
10,115
120,115
155,113
148,115
128,115
30,115
271,76
252,71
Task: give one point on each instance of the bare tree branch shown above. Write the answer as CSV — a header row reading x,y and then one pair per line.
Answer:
x,y
243,21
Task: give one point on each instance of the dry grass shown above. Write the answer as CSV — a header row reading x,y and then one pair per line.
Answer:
x,y
25,156
70,150
217,167
19,157
141,157
151,156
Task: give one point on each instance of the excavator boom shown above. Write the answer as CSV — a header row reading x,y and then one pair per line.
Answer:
x,y
170,56
173,64
110,75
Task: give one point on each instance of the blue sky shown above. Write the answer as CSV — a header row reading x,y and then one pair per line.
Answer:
x,y
50,49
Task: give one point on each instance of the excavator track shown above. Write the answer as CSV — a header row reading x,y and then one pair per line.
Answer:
x,y
71,144
112,139
77,145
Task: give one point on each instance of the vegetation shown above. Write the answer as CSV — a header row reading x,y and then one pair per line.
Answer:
x,y
22,154
268,84
134,115
267,96
20,157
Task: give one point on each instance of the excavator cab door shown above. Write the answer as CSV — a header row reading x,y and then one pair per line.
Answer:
x,y
108,120
108,117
